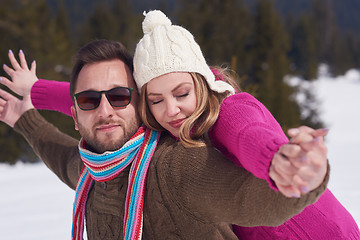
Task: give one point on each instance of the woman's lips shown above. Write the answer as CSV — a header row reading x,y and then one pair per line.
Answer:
x,y
177,123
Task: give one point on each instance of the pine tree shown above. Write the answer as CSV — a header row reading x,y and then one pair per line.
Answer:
x,y
303,48
101,24
25,29
323,20
63,41
355,49
222,29
271,64
129,24
39,36
340,59
116,22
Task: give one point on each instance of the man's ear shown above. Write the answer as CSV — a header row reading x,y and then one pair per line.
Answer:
x,y
74,116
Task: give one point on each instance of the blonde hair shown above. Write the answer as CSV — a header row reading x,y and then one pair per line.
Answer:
x,y
205,114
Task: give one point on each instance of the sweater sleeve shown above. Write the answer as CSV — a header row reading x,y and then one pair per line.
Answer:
x,y
52,95
248,134
57,150
207,186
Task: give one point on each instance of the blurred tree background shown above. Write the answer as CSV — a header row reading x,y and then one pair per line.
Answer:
x,y
262,41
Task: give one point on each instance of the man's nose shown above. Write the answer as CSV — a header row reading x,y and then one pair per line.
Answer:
x,y
105,109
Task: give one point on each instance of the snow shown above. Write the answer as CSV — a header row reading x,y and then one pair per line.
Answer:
x,y
34,204
340,110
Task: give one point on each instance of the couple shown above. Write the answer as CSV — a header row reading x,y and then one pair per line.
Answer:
x,y
183,192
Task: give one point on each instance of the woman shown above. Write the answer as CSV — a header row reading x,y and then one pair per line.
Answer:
x,y
174,97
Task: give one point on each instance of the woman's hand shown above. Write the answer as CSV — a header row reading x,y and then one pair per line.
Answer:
x,y
22,79
300,166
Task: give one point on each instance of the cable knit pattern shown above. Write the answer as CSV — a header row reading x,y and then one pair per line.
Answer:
x,y
167,48
52,95
248,134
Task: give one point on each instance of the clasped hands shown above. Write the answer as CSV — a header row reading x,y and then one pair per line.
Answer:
x,y
300,166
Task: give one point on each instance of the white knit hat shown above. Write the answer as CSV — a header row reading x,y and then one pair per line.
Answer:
x,y
167,48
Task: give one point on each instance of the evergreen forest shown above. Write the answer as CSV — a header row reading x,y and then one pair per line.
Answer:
x,y
261,41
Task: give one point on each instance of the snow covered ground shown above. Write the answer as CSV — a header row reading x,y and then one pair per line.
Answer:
x,y
34,204
340,110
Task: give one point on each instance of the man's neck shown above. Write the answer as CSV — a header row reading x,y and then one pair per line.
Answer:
x,y
91,148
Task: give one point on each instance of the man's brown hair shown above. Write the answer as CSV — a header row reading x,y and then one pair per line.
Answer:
x,y
98,51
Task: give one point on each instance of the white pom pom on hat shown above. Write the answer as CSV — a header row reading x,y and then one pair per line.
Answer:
x,y
153,19
167,48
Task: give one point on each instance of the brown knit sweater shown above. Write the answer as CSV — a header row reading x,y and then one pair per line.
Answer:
x,y
191,193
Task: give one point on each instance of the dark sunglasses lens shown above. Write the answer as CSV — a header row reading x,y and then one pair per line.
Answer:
x,y
88,100
119,97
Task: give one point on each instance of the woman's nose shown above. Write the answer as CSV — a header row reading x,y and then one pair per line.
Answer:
x,y
172,108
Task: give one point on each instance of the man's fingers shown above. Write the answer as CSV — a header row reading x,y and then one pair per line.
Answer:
x,y
316,161
300,184
290,150
295,131
279,177
316,143
301,137
298,187
295,155
284,182
282,165
13,61
322,132
305,134
23,60
289,191
276,177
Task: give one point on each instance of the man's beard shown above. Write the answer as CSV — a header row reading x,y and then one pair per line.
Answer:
x,y
99,146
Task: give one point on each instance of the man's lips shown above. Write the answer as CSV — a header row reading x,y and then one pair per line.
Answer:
x,y
107,127
177,123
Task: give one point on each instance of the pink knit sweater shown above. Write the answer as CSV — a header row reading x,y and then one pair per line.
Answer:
x,y
248,134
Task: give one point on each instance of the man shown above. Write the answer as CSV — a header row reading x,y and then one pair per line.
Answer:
x,y
189,193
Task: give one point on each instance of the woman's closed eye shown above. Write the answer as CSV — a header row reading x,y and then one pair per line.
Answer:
x,y
182,95
153,102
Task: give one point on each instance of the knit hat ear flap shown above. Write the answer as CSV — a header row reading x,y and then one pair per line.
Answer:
x,y
167,48
222,86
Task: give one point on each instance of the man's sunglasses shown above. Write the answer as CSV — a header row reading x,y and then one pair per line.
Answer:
x,y
117,97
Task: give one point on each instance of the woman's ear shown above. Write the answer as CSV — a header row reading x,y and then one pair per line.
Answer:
x,y
74,116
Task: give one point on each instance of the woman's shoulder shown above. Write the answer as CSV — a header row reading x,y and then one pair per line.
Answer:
x,y
243,107
241,99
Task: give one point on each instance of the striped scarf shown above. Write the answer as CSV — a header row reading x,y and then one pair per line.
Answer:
x,y
104,167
